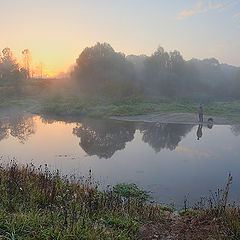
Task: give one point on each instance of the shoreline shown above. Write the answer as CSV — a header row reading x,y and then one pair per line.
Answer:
x,y
165,118
177,118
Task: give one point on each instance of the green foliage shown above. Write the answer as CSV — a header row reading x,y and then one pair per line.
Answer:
x,y
131,191
127,100
118,221
188,211
131,106
63,107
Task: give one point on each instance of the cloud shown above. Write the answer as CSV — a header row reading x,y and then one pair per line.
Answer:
x,y
237,15
206,6
200,7
229,4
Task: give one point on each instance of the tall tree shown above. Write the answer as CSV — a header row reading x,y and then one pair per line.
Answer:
x,y
26,55
10,73
163,72
9,66
99,69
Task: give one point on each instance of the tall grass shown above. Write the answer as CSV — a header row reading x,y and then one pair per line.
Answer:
x,y
38,204
214,212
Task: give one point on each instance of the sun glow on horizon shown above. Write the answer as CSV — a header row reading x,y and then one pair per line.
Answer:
x,y
46,62
57,31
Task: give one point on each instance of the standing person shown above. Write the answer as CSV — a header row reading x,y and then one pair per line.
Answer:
x,y
200,113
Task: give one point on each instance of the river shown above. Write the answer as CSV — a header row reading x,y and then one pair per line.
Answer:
x,y
172,161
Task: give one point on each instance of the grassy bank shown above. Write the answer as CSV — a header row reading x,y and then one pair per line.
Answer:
x,y
38,204
102,107
130,106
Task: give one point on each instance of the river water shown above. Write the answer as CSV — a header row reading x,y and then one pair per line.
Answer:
x,y
167,159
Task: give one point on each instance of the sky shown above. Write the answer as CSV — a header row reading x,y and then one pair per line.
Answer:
x,y
56,31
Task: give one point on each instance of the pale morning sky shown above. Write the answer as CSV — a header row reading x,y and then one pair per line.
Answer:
x,y
56,31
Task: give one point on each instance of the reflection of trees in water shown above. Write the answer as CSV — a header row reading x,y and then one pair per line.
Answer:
x,y
19,126
235,130
54,119
4,132
104,138
48,120
22,127
160,136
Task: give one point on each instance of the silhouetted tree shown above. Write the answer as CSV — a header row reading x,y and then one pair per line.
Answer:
x,y
9,67
26,62
10,73
165,72
236,86
101,70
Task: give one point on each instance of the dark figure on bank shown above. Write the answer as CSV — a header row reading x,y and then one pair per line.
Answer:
x,y
199,131
200,113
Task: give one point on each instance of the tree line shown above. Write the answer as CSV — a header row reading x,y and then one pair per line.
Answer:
x,y
102,70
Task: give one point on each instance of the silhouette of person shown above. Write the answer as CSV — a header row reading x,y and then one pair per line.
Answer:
x,y
199,131
200,113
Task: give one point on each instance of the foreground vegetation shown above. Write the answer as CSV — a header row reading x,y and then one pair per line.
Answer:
x,y
38,204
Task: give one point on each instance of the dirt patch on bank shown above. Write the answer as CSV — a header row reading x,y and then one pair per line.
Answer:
x,y
181,118
180,228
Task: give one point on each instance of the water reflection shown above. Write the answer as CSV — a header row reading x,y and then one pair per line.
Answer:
x,y
199,131
103,137
210,123
235,130
160,136
20,127
194,167
3,131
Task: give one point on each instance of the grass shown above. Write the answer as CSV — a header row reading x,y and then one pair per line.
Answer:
x,y
131,106
38,204
215,210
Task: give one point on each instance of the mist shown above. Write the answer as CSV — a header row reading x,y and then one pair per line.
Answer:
x,y
101,71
